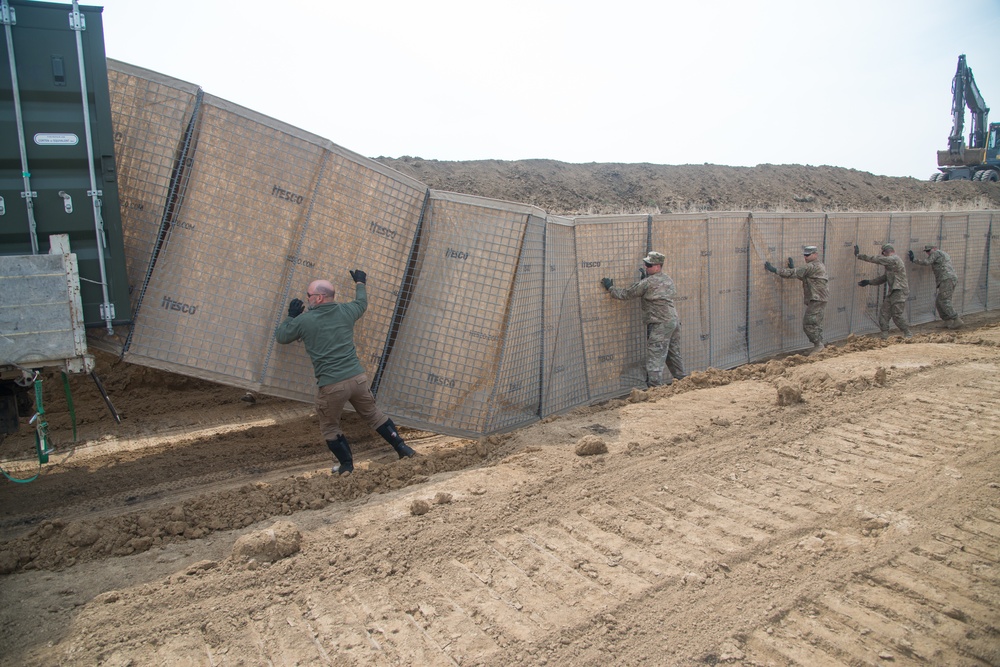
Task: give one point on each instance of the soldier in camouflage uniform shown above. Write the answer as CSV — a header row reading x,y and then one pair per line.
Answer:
x,y
814,279
946,278
898,288
663,326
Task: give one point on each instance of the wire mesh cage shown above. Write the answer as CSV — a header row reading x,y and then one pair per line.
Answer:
x,y
483,315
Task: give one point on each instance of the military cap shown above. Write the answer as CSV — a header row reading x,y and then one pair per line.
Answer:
x,y
809,249
887,246
654,258
928,247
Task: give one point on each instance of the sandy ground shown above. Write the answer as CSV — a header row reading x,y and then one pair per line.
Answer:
x,y
837,510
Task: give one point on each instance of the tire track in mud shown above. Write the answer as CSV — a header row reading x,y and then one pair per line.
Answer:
x,y
529,587
933,604
804,546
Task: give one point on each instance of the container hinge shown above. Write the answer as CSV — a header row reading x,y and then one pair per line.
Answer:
x,y
7,15
77,21
67,201
3,207
28,193
107,311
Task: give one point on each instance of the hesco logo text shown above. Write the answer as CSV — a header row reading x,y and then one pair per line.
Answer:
x,y
444,382
379,230
282,193
170,304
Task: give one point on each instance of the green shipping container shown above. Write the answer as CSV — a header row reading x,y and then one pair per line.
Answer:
x,y
47,151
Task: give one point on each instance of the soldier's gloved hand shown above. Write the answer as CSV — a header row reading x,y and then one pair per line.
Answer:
x,y
607,282
857,250
296,307
359,276
910,253
770,267
864,283
791,263
642,274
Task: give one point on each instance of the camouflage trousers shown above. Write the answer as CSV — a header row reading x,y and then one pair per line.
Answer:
x,y
943,301
663,348
892,309
812,321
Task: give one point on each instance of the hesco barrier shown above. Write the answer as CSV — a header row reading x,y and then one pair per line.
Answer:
x,y
483,315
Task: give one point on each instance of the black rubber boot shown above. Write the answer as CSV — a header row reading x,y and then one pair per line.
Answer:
x,y
388,431
342,451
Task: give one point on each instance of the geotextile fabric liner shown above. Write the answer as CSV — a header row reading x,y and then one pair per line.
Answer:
x,y
483,315
150,113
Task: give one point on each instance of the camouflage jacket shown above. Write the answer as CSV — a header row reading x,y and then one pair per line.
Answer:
x,y
814,279
940,262
658,293
895,271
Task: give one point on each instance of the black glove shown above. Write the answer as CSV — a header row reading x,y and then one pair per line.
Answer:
x,y
607,282
296,307
642,274
359,276
864,283
856,250
770,267
910,253
791,263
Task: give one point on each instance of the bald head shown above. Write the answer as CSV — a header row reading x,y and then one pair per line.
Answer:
x,y
319,292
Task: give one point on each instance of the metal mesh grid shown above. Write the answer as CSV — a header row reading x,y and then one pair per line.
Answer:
x,y
226,258
918,229
517,392
564,377
993,252
776,304
728,269
442,369
868,232
683,240
614,341
360,215
976,263
954,241
149,113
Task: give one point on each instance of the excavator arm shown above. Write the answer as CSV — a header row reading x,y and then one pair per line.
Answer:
x,y
965,93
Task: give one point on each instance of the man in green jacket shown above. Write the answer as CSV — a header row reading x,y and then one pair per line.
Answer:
x,y
327,330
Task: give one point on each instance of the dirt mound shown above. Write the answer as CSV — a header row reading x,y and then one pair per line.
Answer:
x,y
561,188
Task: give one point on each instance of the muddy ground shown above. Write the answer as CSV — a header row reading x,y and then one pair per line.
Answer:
x,y
838,510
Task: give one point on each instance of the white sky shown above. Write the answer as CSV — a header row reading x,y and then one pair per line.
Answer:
x,y
862,84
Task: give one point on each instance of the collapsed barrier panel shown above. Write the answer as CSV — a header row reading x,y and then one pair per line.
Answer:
x,y
484,315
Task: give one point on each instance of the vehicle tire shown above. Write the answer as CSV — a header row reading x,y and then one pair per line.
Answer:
x,y
979,175
990,176
936,177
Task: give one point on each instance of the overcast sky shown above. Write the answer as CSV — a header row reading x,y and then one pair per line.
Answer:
x,y
862,84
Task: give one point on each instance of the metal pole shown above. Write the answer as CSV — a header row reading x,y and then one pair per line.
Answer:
x,y
78,23
10,19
